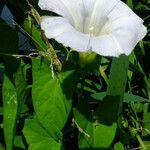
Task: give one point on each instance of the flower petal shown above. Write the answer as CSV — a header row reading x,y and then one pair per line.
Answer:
x,y
71,10
60,29
125,26
97,11
106,45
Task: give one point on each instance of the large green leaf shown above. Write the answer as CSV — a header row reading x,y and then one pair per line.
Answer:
x,y
48,99
14,85
51,98
14,95
93,133
37,137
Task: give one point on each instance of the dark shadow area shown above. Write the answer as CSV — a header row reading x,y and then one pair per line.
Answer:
x,y
108,110
72,79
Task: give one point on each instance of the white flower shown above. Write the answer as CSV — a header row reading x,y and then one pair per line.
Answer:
x,y
107,27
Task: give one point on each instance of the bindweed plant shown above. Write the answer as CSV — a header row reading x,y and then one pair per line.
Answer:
x,y
79,85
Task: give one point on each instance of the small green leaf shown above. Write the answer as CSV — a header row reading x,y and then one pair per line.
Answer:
x,y
35,35
127,97
104,135
146,120
9,93
134,98
118,146
2,147
98,96
18,142
10,106
130,3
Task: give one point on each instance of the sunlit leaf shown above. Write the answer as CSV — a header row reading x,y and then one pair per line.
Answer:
x,y
93,134
51,97
118,146
37,137
10,107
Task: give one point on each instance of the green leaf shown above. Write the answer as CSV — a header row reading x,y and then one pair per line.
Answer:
x,y
147,143
51,97
14,95
35,35
93,133
118,76
37,137
14,84
10,103
104,135
118,146
83,118
99,96
134,98
127,97
146,118
2,147
10,106
131,60
18,142
130,3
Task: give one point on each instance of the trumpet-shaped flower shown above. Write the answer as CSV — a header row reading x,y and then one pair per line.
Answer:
x,y
107,27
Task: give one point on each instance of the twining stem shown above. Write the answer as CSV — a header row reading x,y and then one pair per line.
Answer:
x,y
118,78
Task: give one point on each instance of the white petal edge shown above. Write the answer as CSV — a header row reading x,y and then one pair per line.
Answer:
x,y
126,30
106,45
62,31
70,9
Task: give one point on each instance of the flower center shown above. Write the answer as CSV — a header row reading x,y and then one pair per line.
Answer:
x,y
91,30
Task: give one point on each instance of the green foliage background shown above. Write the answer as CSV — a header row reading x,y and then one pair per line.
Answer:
x,y
52,99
